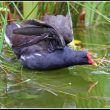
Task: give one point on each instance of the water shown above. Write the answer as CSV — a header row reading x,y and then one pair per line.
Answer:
x,y
73,87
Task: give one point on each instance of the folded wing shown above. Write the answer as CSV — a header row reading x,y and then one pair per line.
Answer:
x,y
61,24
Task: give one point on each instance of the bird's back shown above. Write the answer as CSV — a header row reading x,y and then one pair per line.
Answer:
x,y
61,24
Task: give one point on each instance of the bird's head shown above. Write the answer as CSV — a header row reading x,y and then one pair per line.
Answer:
x,y
90,59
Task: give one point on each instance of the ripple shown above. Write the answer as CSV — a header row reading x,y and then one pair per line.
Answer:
x,y
99,72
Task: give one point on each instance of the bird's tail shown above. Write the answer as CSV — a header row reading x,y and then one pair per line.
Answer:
x,y
9,30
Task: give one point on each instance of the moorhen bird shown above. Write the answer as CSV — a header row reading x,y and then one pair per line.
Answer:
x,y
42,45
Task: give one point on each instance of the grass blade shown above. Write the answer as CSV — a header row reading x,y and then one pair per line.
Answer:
x,y
18,10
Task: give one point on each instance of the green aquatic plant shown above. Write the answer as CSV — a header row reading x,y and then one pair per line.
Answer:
x,y
3,15
95,12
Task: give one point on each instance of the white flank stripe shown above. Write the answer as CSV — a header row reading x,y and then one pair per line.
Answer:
x,y
22,57
8,41
37,54
18,25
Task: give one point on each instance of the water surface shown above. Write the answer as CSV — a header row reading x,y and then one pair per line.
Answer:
x,y
73,87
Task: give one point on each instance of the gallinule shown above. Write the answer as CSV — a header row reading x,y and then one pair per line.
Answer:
x,y
42,45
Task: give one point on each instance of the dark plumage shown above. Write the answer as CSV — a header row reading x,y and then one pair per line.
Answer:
x,y
43,45
61,24
57,59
